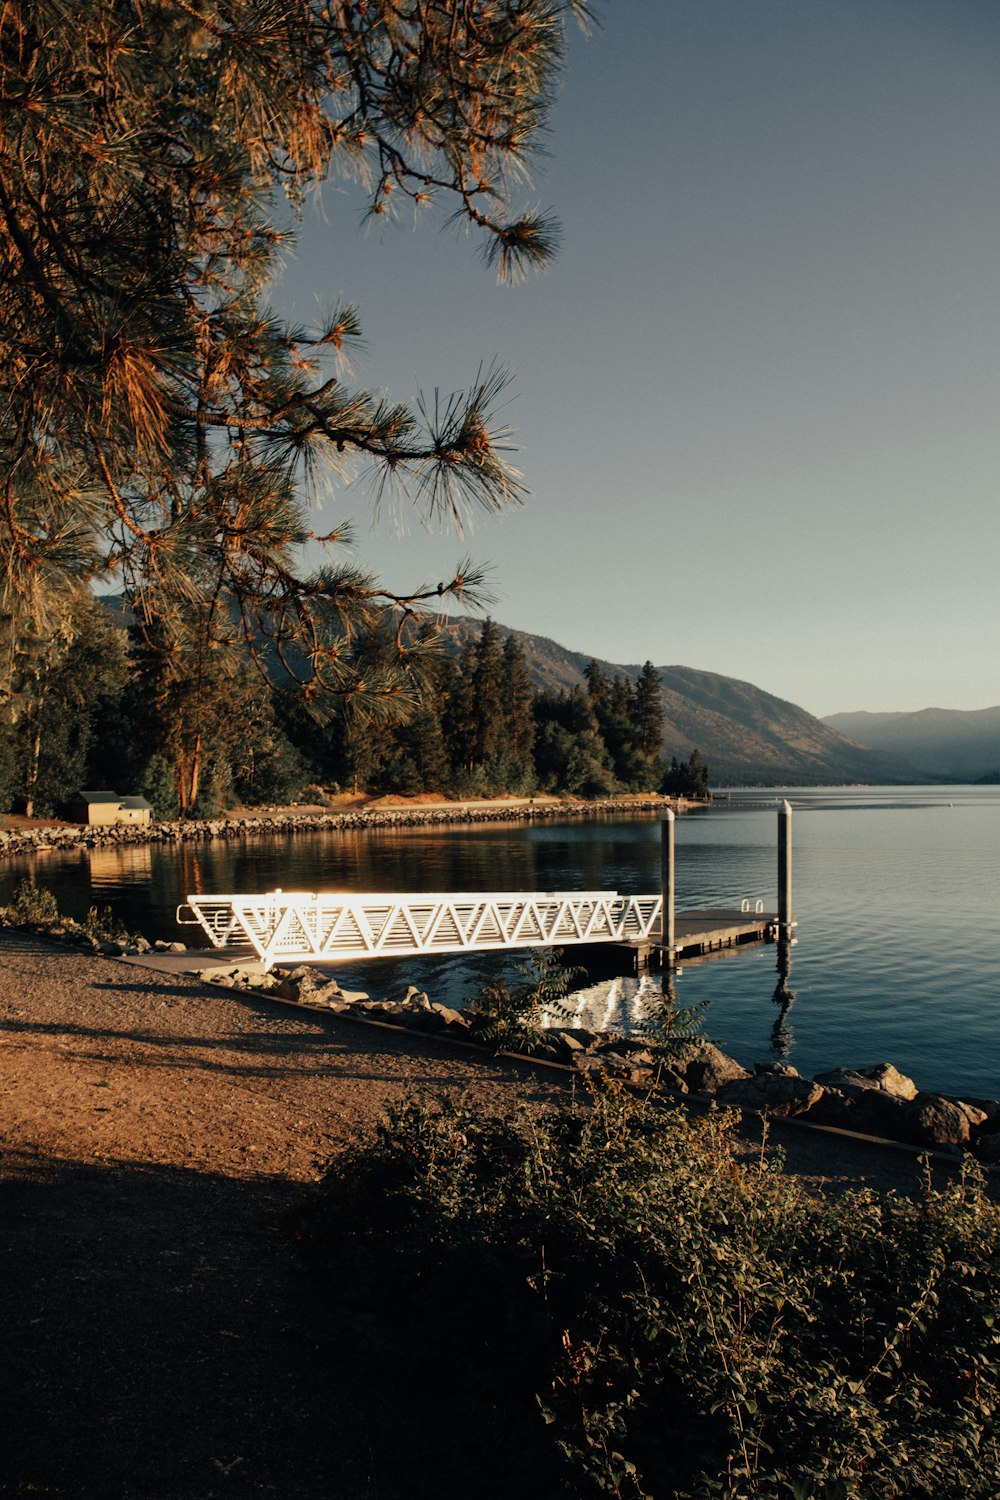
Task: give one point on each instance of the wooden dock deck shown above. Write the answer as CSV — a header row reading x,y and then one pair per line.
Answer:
x,y
710,930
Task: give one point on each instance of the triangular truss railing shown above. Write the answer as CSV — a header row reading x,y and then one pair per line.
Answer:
x,y
300,925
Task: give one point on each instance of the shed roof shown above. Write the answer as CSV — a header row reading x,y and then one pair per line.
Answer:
x,y
136,802
96,797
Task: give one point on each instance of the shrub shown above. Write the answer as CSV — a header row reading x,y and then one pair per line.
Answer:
x,y
511,1017
105,927
31,905
159,788
628,1307
315,796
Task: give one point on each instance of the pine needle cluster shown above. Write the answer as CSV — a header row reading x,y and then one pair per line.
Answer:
x,y
158,423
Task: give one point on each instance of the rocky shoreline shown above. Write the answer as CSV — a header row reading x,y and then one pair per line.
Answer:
x,y
198,830
873,1100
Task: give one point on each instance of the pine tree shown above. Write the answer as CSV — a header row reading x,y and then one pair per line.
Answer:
x,y
648,711
598,687
487,695
688,778
614,707
157,421
459,717
518,699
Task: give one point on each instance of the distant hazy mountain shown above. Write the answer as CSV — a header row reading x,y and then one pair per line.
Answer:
x,y
949,743
743,733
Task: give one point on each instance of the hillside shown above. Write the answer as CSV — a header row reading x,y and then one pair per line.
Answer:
x,y
946,743
745,734
742,732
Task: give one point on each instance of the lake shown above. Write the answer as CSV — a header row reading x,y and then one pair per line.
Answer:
x,y
896,891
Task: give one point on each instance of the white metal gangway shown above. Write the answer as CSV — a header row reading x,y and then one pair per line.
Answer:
x,y
323,927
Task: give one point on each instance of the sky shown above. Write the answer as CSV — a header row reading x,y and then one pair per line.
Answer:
x,y
755,398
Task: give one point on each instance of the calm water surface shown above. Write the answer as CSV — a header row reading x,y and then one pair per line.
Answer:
x,y
897,893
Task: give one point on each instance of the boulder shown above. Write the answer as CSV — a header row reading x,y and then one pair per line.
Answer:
x,y
975,1116
934,1121
989,1107
382,1010
566,1041
709,1069
881,1076
771,1093
987,1148
415,997
867,1112
317,988
451,1017
671,1078
416,1000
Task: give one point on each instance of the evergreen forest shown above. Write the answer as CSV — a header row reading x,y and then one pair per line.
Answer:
x,y
101,704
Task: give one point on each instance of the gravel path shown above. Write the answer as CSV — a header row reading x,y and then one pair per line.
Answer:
x,y
160,1337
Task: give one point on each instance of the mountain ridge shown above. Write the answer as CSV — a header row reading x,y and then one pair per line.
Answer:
x,y
742,732
947,743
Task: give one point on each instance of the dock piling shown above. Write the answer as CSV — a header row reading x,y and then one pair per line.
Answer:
x,y
668,882
785,918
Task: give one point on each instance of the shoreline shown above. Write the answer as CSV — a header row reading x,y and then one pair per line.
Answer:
x,y
380,813
161,1138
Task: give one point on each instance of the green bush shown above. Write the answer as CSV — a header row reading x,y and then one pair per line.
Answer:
x,y
620,1304
31,905
105,927
511,1017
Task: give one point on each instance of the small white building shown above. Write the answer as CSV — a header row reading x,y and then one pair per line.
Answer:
x,y
108,807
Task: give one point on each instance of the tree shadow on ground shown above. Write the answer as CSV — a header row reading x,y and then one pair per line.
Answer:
x,y
160,1340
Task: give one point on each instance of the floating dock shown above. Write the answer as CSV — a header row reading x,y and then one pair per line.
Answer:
x,y
697,934
342,927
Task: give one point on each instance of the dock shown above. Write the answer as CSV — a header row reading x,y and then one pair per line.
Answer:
x,y
344,927
711,930
323,927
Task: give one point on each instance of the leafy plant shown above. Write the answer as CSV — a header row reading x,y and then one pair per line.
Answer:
x,y
623,1303
31,905
673,1032
105,927
511,1017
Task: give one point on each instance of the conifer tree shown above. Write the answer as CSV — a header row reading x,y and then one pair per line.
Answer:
x,y
518,698
487,695
459,716
158,423
598,687
648,711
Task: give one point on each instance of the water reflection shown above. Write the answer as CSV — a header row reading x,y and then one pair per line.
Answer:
x,y
109,867
621,1004
896,896
784,997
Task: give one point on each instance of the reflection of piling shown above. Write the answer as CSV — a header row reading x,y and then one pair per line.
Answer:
x,y
784,998
785,918
668,932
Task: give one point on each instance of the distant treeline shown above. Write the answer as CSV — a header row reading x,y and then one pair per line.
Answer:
x,y
98,706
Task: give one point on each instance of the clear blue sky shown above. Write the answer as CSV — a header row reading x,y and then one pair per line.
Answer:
x,y
756,396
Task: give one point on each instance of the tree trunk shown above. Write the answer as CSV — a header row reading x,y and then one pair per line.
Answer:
x,y
195,771
31,779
